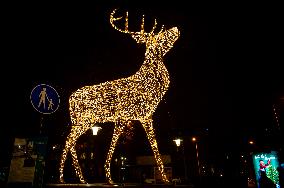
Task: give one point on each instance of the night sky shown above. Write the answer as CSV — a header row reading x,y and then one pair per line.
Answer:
x,y
225,68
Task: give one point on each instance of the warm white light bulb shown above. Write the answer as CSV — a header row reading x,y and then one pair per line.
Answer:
x,y
178,142
95,130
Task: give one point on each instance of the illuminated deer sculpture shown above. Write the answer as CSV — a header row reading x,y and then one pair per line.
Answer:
x,y
123,100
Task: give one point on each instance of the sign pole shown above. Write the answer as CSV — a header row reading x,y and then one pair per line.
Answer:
x,y
45,100
41,124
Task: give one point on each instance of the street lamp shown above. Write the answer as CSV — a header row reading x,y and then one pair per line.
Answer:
x,y
178,143
95,129
197,158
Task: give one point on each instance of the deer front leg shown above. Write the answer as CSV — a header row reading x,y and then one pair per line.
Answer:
x,y
62,161
76,132
66,149
118,130
76,164
148,126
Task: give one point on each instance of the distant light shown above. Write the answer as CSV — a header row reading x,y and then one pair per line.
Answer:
x,y
178,141
193,139
123,158
251,142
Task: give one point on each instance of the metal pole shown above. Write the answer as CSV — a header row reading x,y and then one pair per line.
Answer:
x,y
198,165
41,124
184,163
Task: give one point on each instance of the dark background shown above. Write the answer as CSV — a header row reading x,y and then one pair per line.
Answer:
x,y
225,68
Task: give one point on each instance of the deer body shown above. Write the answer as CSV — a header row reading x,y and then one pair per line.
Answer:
x,y
135,87
123,100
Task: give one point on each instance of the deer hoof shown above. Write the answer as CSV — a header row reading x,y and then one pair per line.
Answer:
x,y
167,182
110,182
83,182
61,181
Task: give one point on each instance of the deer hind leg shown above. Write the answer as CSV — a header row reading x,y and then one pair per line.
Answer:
x,y
118,130
76,132
148,126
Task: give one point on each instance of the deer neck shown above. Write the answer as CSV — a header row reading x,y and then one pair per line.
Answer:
x,y
154,72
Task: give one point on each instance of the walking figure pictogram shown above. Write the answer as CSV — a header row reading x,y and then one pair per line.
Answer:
x,y
42,96
50,104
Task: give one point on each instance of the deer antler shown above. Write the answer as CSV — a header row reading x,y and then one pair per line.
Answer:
x,y
141,32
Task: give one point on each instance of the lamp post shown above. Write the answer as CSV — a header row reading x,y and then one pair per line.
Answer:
x,y
178,142
197,157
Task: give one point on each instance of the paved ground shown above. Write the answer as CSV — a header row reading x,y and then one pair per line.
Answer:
x,y
96,185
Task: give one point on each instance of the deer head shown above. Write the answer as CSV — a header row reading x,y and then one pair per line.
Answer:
x,y
161,41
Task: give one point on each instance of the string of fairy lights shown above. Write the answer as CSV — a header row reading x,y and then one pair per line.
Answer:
x,y
123,100
276,115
